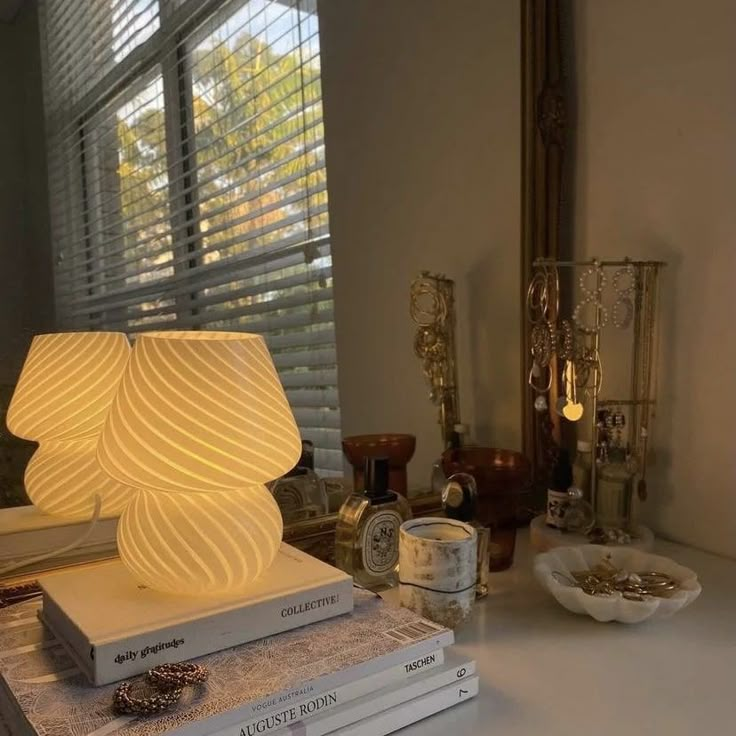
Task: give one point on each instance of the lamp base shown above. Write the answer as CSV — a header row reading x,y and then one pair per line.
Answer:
x,y
116,628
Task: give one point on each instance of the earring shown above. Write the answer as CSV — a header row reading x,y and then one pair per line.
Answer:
x,y
592,282
624,284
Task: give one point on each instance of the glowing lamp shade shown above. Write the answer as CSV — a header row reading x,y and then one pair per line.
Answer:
x,y
199,423
61,400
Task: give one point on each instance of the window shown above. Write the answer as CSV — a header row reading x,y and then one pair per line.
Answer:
x,y
187,179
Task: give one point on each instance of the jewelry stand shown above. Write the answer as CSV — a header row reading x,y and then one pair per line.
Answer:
x,y
617,299
432,307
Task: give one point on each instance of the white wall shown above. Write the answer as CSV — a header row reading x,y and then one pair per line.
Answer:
x,y
656,163
26,290
422,116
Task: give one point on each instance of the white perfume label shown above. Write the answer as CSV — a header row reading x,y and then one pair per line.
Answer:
x,y
381,542
557,504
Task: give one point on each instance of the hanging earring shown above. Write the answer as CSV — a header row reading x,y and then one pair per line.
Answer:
x,y
572,410
624,284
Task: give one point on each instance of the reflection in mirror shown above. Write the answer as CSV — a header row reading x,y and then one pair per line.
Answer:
x,y
152,189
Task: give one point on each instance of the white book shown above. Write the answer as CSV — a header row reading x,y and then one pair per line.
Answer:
x,y
116,628
246,683
456,670
412,711
338,699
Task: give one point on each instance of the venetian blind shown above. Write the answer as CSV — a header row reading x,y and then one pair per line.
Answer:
x,y
187,180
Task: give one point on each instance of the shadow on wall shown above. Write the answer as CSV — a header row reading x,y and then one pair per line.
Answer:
x,y
494,352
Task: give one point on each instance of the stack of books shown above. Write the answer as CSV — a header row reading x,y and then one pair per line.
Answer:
x,y
365,673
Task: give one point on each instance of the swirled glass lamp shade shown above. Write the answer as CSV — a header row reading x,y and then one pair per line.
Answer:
x,y
61,400
200,421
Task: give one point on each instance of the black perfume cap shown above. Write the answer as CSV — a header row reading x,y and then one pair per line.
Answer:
x,y
375,479
562,472
306,459
460,497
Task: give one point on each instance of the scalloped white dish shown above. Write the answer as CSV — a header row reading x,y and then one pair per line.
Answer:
x,y
613,607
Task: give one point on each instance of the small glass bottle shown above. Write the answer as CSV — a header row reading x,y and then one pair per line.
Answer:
x,y
460,501
614,493
367,533
301,493
582,468
557,496
579,515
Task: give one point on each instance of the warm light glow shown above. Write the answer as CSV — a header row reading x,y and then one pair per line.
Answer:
x,y
199,423
62,479
199,411
67,384
200,542
61,400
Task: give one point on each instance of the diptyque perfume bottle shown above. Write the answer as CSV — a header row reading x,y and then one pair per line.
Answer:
x,y
367,534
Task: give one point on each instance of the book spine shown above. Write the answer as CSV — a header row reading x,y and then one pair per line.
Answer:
x,y
442,639
409,712
74,642
334,698
455,677
133,655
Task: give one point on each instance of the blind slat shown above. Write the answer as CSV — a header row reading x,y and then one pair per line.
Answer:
x,y
312,398
218,272
307,278
305,378
257,262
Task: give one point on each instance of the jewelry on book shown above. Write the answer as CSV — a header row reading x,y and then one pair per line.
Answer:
x,y
177,674
161,699
167,682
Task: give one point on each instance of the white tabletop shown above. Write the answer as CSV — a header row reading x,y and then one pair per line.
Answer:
x,y
550,672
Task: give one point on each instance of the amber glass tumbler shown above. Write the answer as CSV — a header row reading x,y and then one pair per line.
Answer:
x,y
398,448
501,475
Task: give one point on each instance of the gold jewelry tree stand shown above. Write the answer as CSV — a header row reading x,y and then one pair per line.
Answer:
x,y
432,307
586,316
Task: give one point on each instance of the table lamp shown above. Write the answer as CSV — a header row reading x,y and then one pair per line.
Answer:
x,y
61,400
199,423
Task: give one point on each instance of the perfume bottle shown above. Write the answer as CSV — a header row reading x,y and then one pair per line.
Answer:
x,y
459,501
367,534
614,492
582,467
557,493
301,493
579,515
